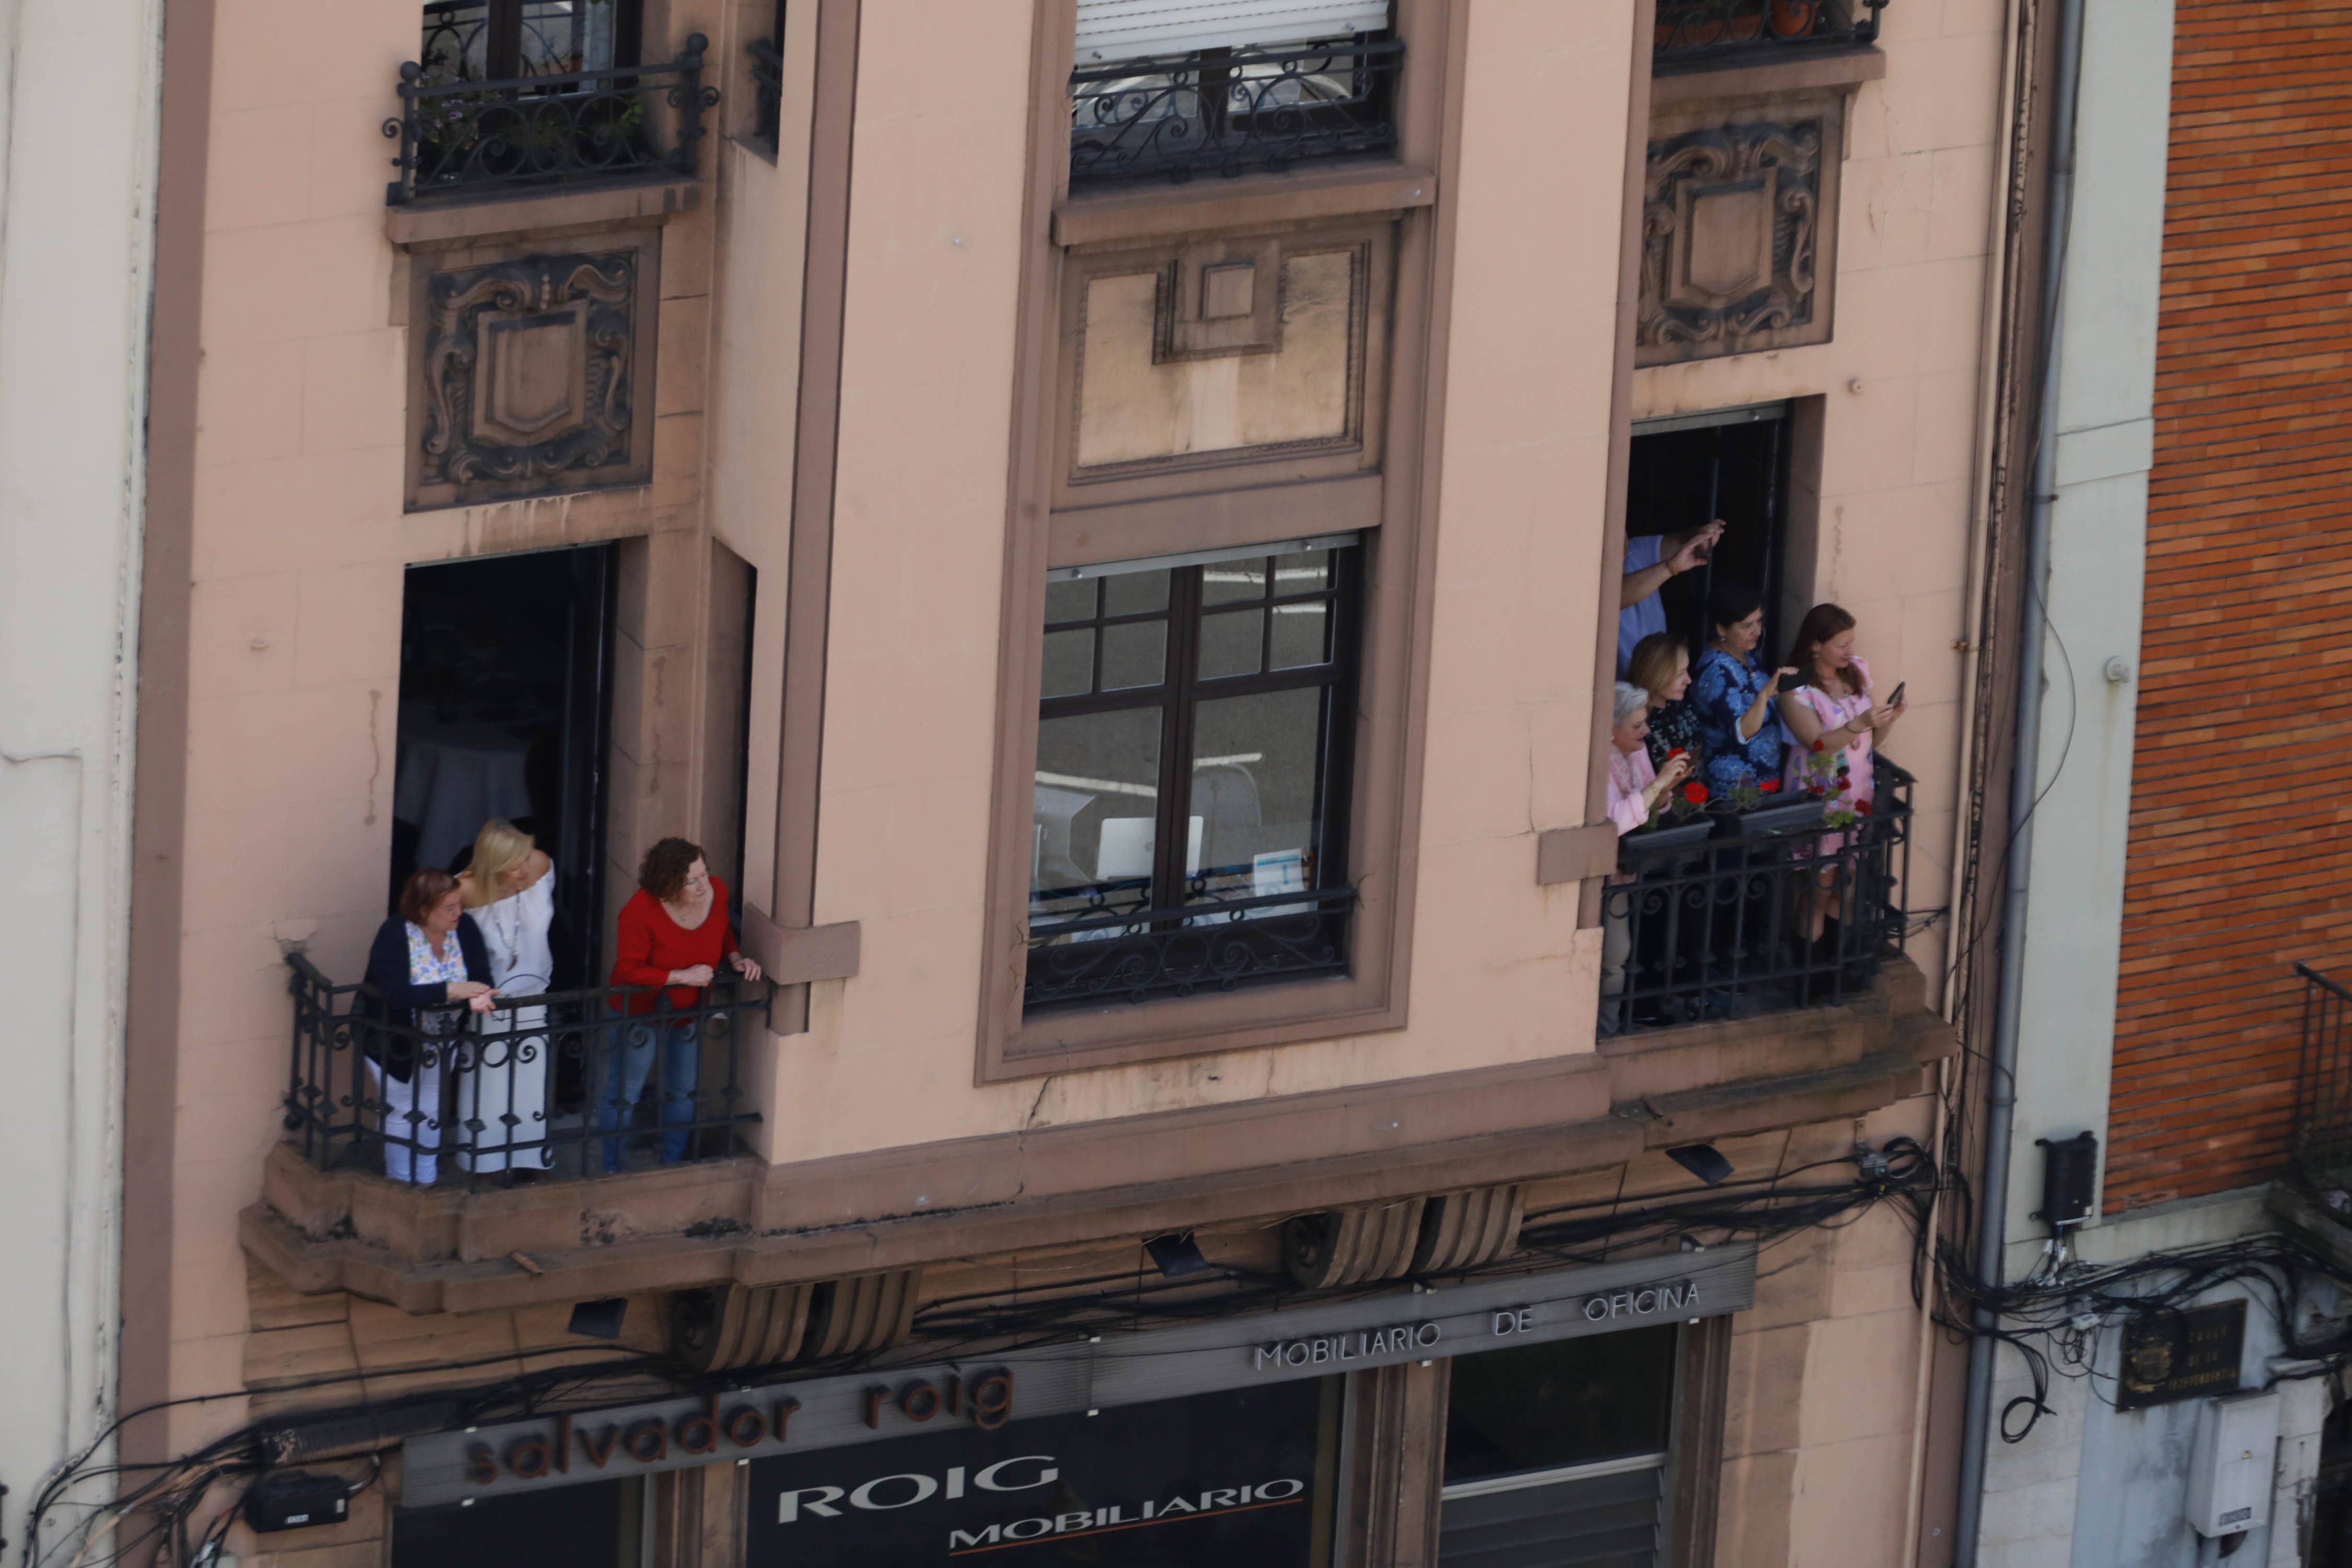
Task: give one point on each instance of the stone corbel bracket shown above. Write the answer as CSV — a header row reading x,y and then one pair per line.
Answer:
x,y
796,955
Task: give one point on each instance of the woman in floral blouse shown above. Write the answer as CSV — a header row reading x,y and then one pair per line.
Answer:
x,y
1739,726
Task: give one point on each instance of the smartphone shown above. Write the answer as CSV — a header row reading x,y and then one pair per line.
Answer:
x,y
1896,700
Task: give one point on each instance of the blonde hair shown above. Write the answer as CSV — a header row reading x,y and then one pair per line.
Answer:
x,y
1656,659
498,847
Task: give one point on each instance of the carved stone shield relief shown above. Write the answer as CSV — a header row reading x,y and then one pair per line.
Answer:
x,y
530,371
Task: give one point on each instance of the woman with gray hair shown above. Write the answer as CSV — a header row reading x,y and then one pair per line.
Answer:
x,y
1635,792
1634,787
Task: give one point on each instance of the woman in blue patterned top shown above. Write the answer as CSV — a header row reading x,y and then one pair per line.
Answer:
x,y
1739,723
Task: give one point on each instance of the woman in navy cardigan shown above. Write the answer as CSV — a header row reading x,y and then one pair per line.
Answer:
x,y
424,959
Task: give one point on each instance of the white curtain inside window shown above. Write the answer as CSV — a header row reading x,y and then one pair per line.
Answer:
x,y
1128,30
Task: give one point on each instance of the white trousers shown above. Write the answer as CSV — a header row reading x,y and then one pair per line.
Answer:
x,y
419,1092
500,1078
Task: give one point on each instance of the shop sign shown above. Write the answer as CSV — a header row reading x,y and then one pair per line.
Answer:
x,y
1218,1480
992,1391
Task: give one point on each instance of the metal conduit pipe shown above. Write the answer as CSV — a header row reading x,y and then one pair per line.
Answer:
x,y
1976,1434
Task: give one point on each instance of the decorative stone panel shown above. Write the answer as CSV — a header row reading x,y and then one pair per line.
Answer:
x,y
1738,228
529,367
1208,353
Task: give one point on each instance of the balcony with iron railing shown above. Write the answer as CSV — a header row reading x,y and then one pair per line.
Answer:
x,y
1231,112
568,1085
1707,919
1699,34
463,135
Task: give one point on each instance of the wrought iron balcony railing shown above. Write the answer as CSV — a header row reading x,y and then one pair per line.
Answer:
x,y
1707,920
557,129
570,1083
1103,953
2322,1091
1699,32
1228,112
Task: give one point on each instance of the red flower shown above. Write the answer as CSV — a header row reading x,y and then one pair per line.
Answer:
x,y
1695,794
1862,806
1771,786
1817,745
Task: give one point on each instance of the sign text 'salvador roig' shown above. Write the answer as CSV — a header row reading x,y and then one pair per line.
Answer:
x,y
1016,1389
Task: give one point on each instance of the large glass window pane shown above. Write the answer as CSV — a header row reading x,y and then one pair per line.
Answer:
x,y
1098,794
1257,773
1544,1407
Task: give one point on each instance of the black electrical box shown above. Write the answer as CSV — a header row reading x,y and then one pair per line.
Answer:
x,y
296,1499
2069,1178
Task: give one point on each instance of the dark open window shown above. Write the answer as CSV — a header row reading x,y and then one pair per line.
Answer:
x,y
501,40
1193,85
1192,746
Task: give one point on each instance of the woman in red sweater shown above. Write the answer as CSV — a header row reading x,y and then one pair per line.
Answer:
x,y
673,935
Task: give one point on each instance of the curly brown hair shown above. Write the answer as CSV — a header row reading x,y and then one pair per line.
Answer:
x,y
663,871
423,890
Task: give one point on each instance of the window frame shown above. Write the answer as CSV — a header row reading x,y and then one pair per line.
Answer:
x,y
1392,499
1182,691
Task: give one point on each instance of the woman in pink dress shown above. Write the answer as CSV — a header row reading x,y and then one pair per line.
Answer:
x,y
1832,728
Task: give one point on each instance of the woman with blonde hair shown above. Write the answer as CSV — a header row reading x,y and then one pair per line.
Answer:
x,y
509,889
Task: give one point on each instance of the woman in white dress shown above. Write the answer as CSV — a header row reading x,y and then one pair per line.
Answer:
x,y
509,889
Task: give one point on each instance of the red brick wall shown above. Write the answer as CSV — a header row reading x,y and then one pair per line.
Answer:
x,y
2240,860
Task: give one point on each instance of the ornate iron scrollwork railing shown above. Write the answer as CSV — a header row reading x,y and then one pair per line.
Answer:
x,y
1716,929
2323,1092
1228,112
568,1083
1703,30
561,128
1110,954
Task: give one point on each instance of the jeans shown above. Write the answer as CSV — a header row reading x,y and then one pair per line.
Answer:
x,y
625,1069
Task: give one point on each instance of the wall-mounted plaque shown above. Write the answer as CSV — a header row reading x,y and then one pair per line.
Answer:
x,y
2181,1355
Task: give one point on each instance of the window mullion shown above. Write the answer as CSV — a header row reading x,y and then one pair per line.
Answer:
x,y
1170,868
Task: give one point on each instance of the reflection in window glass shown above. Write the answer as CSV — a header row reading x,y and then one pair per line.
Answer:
x,y
1228,580
1257,764
1098,796
1301,636
1069,667
1130,843
1135,593
1134,655
1308,571
1070,601
1543,1408
1231,643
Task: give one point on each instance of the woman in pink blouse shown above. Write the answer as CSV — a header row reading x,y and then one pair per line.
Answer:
x,y
1635,792
1834,728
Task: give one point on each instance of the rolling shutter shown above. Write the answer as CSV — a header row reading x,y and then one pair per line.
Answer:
x,y
1128,29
